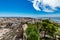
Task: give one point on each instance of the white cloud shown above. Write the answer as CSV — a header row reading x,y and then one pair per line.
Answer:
x,y
38,4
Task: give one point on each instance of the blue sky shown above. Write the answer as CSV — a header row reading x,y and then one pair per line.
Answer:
x,y
23,8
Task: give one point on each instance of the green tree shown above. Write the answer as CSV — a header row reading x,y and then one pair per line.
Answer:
x,y
49,28
33,36
32,32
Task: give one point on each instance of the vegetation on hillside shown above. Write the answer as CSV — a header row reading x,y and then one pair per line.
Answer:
x,y
46,26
